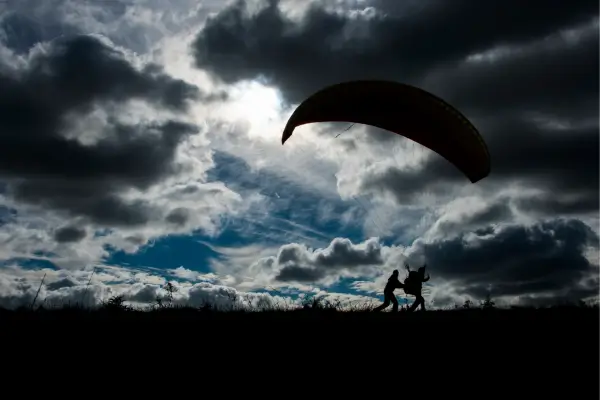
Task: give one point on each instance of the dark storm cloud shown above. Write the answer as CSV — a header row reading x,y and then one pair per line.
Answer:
x,y
102,208
404,184
546,258
178,216
68,234
147,294
301,265
564,162
25,23
295,273
491,213
343,253
557,76
20,32
563,206
80,70
328,47
61,283
38,106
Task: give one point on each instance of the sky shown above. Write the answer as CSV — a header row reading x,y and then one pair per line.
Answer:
x,y
140,144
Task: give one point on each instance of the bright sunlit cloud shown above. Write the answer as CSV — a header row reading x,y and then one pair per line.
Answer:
x,y
259,106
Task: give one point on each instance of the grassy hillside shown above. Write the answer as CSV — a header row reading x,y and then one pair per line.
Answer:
x,y
537,352
117,309
486,320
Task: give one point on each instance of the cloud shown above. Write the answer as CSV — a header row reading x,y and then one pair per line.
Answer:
x,y
468,214
548,258
523,153
324,46
163,122
18,287
135,25
61,283
299,264
69,234
296,265
45,157
20,32
507,78
428,46
99,152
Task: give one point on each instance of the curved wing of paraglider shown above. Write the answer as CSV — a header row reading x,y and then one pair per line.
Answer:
x,y
404,110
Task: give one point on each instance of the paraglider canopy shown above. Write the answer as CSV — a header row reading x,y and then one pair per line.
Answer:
x,y
402,109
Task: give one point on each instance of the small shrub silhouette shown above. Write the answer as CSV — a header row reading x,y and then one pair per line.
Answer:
x,y
488,304
115,304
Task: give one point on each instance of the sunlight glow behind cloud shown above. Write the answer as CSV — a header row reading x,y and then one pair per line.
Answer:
x,y
260,106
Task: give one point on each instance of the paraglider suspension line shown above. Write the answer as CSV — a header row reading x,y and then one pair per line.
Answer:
x,y
336,136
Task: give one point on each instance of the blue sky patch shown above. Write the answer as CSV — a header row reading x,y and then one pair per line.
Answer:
x,y
29,263
168,253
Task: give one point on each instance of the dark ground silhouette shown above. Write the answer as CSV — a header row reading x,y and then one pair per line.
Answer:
x,y
523,351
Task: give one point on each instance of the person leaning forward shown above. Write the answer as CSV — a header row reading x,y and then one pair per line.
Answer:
x,y
393,283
